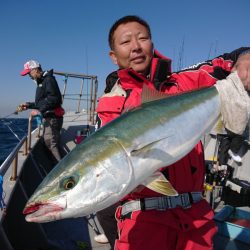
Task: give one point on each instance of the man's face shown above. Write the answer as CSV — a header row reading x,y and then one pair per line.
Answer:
x,y
133,47
35,74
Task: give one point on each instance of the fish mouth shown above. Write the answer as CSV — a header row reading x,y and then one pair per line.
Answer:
x,y
43,212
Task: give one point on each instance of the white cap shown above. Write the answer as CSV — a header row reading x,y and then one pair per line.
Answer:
x,y
28,66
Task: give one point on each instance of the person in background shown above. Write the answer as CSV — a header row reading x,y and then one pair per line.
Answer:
x,y
230,147
235,146
47,103
147,219
107,220
235,119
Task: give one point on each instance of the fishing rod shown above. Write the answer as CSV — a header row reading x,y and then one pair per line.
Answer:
x,y
12,132
13,113
14,125
19,108
4,123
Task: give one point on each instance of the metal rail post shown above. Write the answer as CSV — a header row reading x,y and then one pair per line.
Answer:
x,y
29,133
64,87
14,168
91,102
80,95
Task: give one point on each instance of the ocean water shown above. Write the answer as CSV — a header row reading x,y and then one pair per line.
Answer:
x,y
12,130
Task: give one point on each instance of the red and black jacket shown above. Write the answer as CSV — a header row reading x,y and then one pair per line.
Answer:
x,y
186,175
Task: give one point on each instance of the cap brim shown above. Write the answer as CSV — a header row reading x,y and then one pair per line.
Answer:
x,y
25,72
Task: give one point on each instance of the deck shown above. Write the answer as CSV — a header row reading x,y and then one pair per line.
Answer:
x,y
241,171
67,234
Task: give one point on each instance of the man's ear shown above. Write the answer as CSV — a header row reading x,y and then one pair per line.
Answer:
x,y
113,56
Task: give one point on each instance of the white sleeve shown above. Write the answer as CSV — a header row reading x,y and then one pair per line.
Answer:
x,y
235,103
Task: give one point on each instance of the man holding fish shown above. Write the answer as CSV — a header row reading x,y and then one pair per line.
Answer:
x,y
145,131
187,225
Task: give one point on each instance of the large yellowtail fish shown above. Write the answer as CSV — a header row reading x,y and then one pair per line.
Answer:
x,y
124,154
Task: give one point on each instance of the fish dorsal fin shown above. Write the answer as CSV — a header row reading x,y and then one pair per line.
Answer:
x,y
159,183
149,94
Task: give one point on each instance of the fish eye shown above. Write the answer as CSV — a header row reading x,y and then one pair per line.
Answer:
x,y
69,182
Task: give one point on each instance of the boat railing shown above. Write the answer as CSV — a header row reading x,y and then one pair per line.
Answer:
x,y
22,166
25,145
13,158
87,95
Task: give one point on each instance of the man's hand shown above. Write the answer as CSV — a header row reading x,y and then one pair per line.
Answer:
x,y
21,107
35,112
242,66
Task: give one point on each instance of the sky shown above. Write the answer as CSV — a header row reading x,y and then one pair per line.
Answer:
x,y
71,36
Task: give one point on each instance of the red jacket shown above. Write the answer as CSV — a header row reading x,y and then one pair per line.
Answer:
x,y
186,175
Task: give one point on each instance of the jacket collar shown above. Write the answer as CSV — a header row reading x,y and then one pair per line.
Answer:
x,y
159,71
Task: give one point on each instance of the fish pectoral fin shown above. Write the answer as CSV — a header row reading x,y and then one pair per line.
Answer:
x,y
159,183
144,149
219,127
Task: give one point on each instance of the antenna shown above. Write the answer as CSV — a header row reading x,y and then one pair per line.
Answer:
x,y
215,48
87,59
214,51
87,69
209,52
181,53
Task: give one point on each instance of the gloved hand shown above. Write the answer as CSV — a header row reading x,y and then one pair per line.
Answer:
x,y
242,66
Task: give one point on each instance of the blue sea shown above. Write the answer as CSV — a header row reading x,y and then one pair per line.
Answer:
x,y
12,130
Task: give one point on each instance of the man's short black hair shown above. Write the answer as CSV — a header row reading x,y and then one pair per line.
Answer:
x,y
124,20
